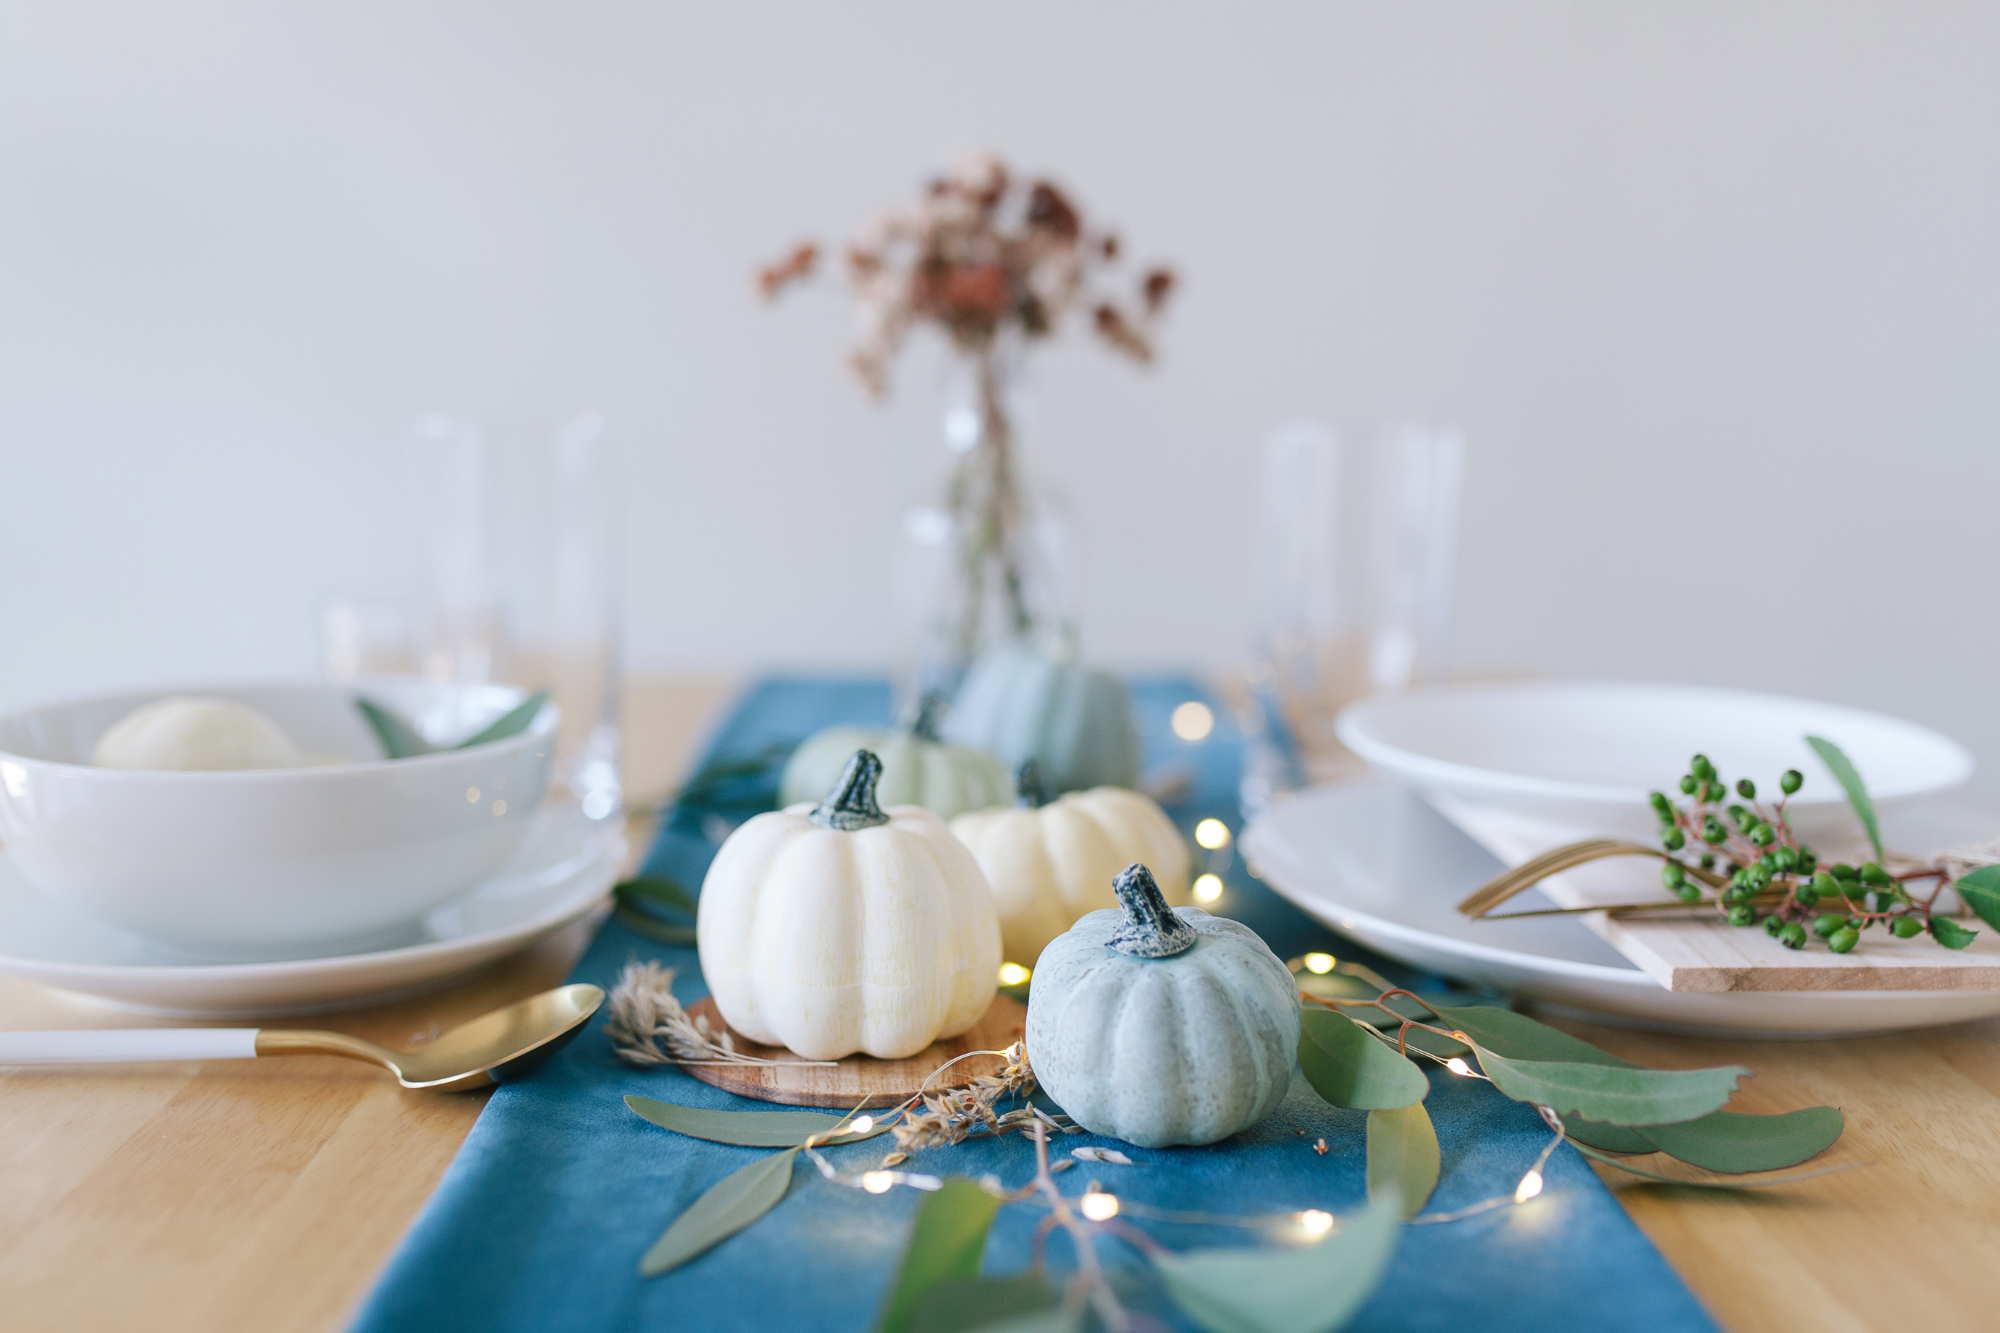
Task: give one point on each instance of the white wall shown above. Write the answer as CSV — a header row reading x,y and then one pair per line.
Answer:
x,y
1710,286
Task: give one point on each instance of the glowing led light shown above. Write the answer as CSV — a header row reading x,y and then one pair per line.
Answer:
x,y
472,796
1193,721
1315,1222
1208,888
878,1182
1099,1207
1458,1066
1013,974
1530,1186
1319,964
1212,834
499,808
862,1124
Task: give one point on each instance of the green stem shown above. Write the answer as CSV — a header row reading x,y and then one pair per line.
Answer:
x,y
1151,928
1030,792
850,806
930,709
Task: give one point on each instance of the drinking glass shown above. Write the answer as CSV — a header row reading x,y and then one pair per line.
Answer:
x,y
1356,543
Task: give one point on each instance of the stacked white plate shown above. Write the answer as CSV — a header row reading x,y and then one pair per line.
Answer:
x,y
562,871
1551,762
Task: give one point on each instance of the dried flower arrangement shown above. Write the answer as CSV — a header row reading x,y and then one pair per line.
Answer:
x,y
1359,1048
993,261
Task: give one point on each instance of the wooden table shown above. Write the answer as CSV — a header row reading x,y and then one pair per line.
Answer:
x,y
268,1195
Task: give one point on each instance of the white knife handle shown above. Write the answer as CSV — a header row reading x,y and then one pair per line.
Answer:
x,y
87,1046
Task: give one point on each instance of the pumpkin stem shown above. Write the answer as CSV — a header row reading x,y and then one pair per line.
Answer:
x,y
930,710
1151,928
850,806
1030,792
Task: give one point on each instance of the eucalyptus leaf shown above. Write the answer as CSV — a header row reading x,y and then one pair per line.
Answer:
x,y
1950,934
1519,1037
1046,1321
1403,1156
745,1129
1715,1141
1618,1096
1844,772
1981,892
946,1242
731,1204
657,889
1307,1289
1348,1067
510,723
645,923
1621,1165
1728,1141
399,739
986,1303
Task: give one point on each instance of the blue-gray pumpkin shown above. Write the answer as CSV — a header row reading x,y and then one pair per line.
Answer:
x,y
1162,1026
1074,721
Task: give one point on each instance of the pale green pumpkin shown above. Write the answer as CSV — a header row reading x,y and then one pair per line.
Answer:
x,y
1074,721
917,768
1162,1026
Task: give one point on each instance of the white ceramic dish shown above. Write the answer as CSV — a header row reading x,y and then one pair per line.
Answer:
x,y
562,871
297,860
1583,755
1375,863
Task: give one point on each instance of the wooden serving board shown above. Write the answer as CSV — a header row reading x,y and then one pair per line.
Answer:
x,y
1704,952
862,1080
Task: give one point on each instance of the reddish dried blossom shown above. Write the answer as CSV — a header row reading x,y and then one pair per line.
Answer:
x,y
977,254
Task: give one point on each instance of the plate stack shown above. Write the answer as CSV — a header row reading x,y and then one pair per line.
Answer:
x,y
1471,780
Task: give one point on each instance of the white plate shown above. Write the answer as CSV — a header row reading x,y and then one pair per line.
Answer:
x,y
1583,754
1375,863
563,870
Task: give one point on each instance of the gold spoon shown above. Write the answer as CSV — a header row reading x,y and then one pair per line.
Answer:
x,y
492,1048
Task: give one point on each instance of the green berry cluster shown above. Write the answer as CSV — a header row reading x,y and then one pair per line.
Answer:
x,y
1761,872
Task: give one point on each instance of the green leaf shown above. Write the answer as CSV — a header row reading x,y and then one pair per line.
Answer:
x,y
745,1129
987,1303
1950,934
1618,1164
1519,1037
1306,1289
1727,1141
1348,1067
731,1204
657,889
1619,1096
1844,772
1981,892
399,739
946,1242
645,923
1403,1156
511,723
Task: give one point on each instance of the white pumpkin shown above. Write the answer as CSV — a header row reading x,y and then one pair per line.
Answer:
x,y
838,928
1051,863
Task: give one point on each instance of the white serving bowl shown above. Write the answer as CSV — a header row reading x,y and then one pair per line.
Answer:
x,y
272,863
1581,756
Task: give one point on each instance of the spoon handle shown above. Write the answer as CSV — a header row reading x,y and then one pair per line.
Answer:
x,y
94,1046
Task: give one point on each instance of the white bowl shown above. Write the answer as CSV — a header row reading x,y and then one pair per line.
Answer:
x,y
294,862
1582,755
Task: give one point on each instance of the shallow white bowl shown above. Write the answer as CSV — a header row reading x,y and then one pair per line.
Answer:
x,y
305,860
1582,755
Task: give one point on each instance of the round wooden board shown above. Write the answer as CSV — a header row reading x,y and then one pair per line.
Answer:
x,y
862,1080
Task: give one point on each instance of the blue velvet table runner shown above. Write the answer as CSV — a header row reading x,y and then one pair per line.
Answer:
x,y
540,1222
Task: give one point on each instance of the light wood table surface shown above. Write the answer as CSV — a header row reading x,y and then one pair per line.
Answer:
x,y
267,1194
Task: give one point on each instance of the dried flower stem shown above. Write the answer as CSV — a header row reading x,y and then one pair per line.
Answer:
x,y
649,1027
